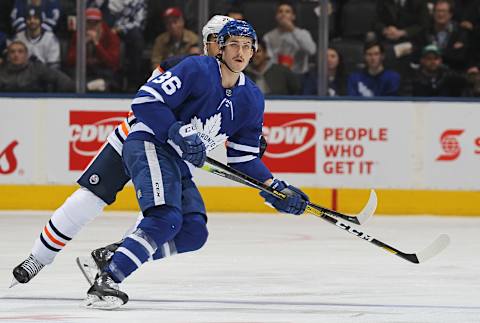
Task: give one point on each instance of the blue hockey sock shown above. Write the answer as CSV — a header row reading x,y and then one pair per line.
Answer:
x,y
160,225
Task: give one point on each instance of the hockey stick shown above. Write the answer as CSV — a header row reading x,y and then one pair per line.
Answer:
x,y
432,250
215,167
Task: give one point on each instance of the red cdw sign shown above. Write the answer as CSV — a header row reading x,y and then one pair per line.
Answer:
x,y
88,132
291,142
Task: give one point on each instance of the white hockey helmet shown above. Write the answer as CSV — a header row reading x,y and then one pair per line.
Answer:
x,y
213,26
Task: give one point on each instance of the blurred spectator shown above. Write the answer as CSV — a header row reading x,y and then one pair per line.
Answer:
x,y
177,40
235,12
50,13
103,53
18,74
448,36
42,45
129,24
374,80
473,90
3,45
402,24
287,44
461,8
337,79
271,78
195,50
104,6
432,79
471,22
6,7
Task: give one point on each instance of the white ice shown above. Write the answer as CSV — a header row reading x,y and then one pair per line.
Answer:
x,y
260,268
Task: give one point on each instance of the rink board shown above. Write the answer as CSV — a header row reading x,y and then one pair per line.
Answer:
x,y
421,157
239,199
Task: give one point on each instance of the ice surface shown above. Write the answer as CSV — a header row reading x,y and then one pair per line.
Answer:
x,y
260,268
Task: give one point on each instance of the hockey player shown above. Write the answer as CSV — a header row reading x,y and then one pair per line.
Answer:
x,y
100,182
196,105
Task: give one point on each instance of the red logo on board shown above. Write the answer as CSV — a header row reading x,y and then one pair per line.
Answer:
x,y
88,132
8,160
291,142
450,145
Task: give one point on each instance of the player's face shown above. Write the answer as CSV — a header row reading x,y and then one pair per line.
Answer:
x,y
33,22
441,13
17,54
332,59
212,45
284,12
260,56
175,26
92,24
374,57
431,62
237,52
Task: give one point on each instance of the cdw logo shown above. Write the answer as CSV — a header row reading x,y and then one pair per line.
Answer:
x,y
289,134
88,132
291,142
96,132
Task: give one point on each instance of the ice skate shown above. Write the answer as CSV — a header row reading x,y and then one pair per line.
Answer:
x,y
27,269
105,294
92,265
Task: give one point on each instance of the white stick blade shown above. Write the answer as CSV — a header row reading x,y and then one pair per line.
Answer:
x,y
434,248
369,208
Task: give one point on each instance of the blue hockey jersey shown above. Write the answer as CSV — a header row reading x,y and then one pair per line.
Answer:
x,y
192,92
386,83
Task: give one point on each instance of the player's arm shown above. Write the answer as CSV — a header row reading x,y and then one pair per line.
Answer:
x,y
155,105
243,155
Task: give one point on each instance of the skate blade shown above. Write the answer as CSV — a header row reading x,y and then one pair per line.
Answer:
x,y
104,303
88,267
14,282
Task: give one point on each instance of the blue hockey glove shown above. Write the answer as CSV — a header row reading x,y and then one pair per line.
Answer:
x,y
296,200
186,139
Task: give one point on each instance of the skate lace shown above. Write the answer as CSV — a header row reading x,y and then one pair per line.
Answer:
x,y
103,255
32,266
107,280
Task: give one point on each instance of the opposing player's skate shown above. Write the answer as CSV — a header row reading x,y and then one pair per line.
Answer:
x,y
26,270
92,265
105,294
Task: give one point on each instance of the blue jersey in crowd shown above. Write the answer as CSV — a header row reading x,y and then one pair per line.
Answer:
x,y
192,92
385,83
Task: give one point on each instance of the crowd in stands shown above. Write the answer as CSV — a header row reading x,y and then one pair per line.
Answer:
x,y
376,47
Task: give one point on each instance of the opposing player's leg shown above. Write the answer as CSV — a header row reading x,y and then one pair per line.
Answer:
x,y
156,176
100,182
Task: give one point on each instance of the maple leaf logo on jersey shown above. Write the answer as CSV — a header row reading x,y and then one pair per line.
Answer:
x,y
209,133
